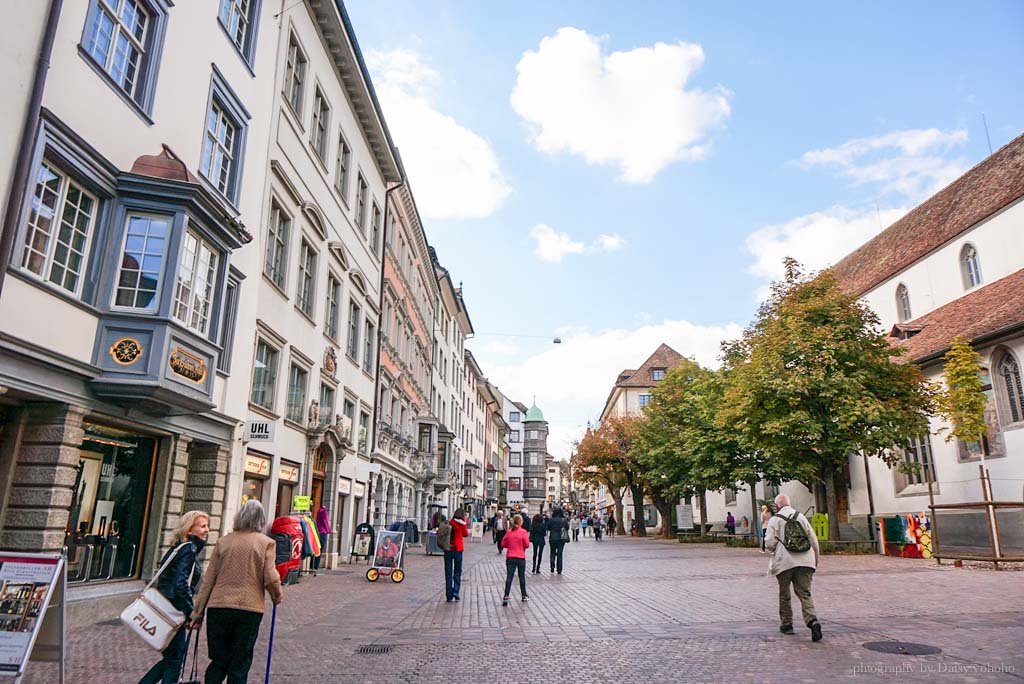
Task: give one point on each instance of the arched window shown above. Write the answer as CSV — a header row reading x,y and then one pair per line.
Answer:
x,y
903,303
1008,371
970,266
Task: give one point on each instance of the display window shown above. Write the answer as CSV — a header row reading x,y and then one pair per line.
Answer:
x,y
107,521
287,483
257,471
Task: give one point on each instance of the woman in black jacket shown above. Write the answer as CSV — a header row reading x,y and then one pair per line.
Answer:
x,y
537,532
179,582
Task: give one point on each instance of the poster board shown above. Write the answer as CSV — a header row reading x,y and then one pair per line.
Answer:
x,y
362,540
387,554
684,517
477,532
32,590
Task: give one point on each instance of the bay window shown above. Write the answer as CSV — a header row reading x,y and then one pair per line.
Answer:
x,y
142,262
197,276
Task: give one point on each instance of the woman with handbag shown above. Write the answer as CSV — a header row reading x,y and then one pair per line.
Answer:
x,y
240,573
178,582
537,532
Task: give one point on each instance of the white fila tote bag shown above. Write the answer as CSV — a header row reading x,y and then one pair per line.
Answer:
x,y
151,616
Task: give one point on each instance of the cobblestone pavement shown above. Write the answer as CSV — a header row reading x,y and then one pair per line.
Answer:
x,y
625,610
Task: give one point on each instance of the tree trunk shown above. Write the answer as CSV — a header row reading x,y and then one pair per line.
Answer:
x,y
638,509
833,505
703,495
755,510
620,521
664,507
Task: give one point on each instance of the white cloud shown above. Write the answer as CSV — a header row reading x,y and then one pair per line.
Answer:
x,y
911,163
571,380
815,240
631,109
552,246
453,171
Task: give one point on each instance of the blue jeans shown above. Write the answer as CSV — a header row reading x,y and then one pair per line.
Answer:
x,y
452,573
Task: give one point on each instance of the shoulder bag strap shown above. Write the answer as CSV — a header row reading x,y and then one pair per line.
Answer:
x,y
164,567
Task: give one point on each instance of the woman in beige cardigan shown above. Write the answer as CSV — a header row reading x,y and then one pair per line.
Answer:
x,y
241,570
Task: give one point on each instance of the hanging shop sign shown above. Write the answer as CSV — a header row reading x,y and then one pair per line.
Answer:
x,y
126,351
344,486
188,366
31,611
257,466
288,472
260,430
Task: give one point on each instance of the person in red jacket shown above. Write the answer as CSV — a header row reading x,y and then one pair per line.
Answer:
x,y
453,556
515,541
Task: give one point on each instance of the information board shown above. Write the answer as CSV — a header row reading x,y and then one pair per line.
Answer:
x,y
477,533
28,623
684,517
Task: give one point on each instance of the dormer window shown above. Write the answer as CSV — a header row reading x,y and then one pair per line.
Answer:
x,y
970,267
657,374
903,303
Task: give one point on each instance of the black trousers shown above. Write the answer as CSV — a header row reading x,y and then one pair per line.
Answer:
x,y
538,556
576,534
557,549
512,566
498,536
169,667
230,637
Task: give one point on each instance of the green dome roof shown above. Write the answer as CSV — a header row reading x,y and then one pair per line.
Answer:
x,y
534,415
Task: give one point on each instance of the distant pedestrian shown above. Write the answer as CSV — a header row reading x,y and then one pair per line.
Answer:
x,y
598,526
574,525
527,523
766,515
233,594
584,524
558,534
516,541
453,556
611,525
794,547
178,583
499,529
730,524
537,538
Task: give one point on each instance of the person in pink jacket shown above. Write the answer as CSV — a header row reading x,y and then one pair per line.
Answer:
x,y
515,542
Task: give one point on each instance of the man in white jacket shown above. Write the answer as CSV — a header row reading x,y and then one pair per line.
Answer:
x,y
794,568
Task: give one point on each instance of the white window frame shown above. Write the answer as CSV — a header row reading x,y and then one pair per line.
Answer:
x,y
275,240
213,144
113,9
320,123
342,167
289,404
903,310
332,306
305,301
210,297
272,393
296,69
970,267
152,308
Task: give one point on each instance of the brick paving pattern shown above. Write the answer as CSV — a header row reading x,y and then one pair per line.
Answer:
x,y
625,610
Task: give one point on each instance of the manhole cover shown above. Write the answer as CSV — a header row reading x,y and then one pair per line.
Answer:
x,y
902,648
374,649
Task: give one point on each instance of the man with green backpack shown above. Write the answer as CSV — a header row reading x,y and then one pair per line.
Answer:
x,y
794,548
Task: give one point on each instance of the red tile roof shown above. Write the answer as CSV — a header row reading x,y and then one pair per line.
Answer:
x,y
990,186
664,357
990,309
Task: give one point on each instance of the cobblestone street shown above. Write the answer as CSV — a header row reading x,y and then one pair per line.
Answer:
x,y
625,610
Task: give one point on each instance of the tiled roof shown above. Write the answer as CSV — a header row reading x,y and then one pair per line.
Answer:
x,y
990,186
989,309
663,357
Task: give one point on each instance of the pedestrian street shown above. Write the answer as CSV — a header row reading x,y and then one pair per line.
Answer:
x,y
624,610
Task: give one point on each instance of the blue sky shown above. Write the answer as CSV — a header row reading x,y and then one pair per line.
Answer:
x,y
622,174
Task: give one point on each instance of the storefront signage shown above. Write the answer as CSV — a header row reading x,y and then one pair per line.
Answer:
x,y
255,465
288,473
300,503
188,366
31,627
260,430
126,351
344,485
360,490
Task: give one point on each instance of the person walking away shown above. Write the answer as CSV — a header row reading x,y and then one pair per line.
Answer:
x,y
611,525
453,557
574,525
583,524
515,542
794,548
323,528
537,532
178,583
766,515
527,523
557,536
598,527
232,595
499,529
730,524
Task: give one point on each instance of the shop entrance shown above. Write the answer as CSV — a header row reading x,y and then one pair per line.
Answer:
x,y
319,475
110,508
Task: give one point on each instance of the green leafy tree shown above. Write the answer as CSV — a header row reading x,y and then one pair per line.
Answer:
x,y
606,456
963,401
813,380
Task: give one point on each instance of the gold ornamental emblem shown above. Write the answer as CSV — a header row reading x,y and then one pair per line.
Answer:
x,y
126,351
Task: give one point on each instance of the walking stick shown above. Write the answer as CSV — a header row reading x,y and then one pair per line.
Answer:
x,y
270,646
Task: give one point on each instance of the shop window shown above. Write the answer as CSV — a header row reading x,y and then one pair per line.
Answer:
x,y
257,471
106,524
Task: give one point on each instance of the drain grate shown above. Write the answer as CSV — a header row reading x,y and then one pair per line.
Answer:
x,y
374,649
902,648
